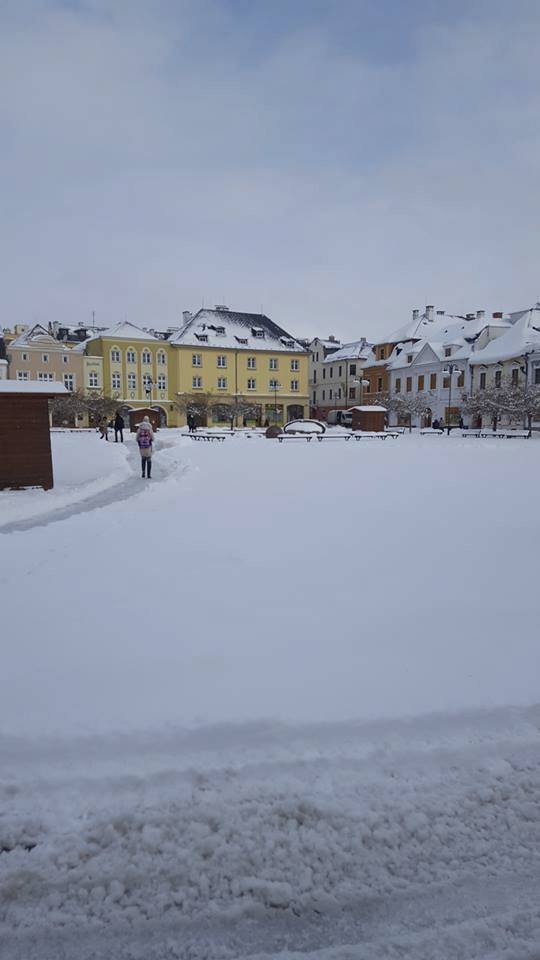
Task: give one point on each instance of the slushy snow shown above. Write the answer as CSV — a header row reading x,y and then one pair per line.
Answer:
x,y
281,701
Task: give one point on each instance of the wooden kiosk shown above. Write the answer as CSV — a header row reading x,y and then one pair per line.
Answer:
x,y
26,459
370,419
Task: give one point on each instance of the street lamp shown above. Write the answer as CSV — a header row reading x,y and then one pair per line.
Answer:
x,y
362,384
449,371
149,383
275,387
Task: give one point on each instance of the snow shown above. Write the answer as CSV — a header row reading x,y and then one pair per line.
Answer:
x,y
237,724
522,338
124,331
51,387
238,332
83,465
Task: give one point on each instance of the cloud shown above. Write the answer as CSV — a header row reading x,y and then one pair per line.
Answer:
x,y
160,154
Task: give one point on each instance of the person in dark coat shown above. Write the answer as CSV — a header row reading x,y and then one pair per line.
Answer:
x,y
118,427
191,422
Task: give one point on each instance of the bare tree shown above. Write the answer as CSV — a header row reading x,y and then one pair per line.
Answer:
x,y
519,404
197,404
68,408
408,405
236,408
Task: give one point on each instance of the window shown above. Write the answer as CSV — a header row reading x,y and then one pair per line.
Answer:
x,y
196,360
314,398
45,357
398,385
420,383
352,393
339,371
433,381
379,384
220,330
132,381
368,387
203,337
537,375
196,383
461,378
115,355
314,376
221,360
331,371
317,357
498,378
162,381
324,373
409,384
273,365
352,369
515,377
22,374
258,332
409,358
446,383
324,394
294,386
161,359
222,383
25,356
381,353
130,356
93,380
483,381
338,393
65,359
274,385
330,393
251,363
295,365
68,381
252,383
115,381
448,351
146,356
46,376
147,381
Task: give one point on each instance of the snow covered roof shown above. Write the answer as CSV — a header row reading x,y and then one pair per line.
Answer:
x,y
50,387
369,408
356,350
445,328
234,330
521,338
124,331
35,337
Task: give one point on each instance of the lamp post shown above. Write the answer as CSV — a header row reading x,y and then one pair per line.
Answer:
x,y
148,388
449,371
275,387
362,384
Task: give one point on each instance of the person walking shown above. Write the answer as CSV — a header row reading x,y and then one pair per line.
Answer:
x,y
191,423
145,439
118,427
104,428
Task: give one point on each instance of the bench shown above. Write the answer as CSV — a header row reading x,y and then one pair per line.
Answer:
x,y
206,436
395,430
485,433
365,435
296,436
430,432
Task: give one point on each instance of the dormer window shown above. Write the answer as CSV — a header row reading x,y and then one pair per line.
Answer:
x,y
448,351
241,340
258,332
220,331
202,337
287,342
409,358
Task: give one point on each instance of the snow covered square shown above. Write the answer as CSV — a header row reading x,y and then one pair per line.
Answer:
x,y
279,701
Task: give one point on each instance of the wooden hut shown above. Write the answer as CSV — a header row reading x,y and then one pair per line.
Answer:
x,y
137,416
26,459
370,419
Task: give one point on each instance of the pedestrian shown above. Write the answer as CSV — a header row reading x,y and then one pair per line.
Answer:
x,y
435,424
191,423
104,428
118,427
145,439
461,423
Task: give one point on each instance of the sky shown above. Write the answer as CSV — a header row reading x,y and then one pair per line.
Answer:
x,y
335,163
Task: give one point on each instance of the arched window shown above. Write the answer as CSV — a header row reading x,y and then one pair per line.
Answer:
x,y
131,356
146,356
115,355
161,358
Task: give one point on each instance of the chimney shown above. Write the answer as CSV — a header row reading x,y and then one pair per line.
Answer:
x,y
186,316
415,314
480,314
332,338
429,313
497,316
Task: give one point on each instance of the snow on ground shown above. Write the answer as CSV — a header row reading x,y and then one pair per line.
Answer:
x,y
281,702
83,465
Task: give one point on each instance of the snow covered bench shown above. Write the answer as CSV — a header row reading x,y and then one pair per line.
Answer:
x,y
367,435
429,431
395,430
207,436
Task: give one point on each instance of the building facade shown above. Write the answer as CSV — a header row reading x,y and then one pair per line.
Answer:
x,y
341,376
35,355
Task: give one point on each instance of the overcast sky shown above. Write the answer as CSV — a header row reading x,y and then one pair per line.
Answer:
x,y
335,162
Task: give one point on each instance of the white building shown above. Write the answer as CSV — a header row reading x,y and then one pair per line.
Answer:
x,y
319,350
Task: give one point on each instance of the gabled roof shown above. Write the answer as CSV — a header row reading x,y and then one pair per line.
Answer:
x,y
124,331
231,329
522,338
36,336
356,350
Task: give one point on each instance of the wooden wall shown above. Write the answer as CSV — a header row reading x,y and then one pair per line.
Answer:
x,y
372,420
25,442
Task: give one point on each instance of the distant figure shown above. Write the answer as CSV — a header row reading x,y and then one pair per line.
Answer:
x,y
145,439
435,424
103,428
191,423
461,423
118,427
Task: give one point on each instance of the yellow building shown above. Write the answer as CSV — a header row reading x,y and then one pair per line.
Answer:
x,y
221,363
137,369
245,362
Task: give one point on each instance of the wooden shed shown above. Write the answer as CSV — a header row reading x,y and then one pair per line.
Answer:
x,y
137,416
370,419
26,459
